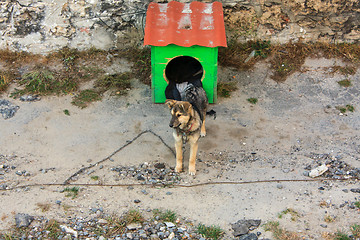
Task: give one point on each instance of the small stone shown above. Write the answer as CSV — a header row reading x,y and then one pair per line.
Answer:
x,y
321,188
168,193
23,220
58,202
323,225
355,190
133,226
102,221
159,165
280,186
169,224
250,236
345,190
137,201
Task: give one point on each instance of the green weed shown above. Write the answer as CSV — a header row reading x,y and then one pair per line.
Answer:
x,y
118,82
224,89
355,230
94,178
53,227
252,100
344,83
210,232
85,97
71,192
341,236
357,204
292,212
343,109
133,216
280,233
262,48
167,216
66,112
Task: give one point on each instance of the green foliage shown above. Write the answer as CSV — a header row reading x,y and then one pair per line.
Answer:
x,y
85,97
341,236
224,89
71,192
210,232
252,100
66,112
345,83
119,82
94,178
53,227
167,216
262,48
133,216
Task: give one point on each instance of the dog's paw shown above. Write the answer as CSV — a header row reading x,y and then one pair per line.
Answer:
x,y
202,134
192,172
178,169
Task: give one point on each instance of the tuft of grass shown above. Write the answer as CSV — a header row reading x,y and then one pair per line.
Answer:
x,y
343,109
44,82
344,83
280,233
141,59
44,207
329,218
133,216
5,79
95,178
357,204
210,232
348,70
292,212
53,227
66,112
167,216
224,89
355,230
262,48
71,192
252,100
120,82
339,235
85,97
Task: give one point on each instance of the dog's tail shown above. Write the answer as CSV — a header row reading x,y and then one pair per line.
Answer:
x,y
211,113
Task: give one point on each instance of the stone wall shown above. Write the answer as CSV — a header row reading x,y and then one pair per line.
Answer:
x,y
41,26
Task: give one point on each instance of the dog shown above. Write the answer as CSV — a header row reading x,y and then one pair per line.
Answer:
x,y
188,112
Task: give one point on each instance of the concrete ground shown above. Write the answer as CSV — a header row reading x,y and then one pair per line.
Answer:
x,y
294,126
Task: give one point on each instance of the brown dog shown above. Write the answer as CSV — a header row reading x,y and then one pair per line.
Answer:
x,y
189,125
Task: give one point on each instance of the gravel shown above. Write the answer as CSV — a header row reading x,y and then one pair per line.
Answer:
x,y
7,109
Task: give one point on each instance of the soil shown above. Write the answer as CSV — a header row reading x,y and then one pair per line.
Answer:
x,y
294,127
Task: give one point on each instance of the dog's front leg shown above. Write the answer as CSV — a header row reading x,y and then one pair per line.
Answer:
x,y
179,151
193,140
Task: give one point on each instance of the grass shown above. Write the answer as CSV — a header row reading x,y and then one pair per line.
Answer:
x,y
344,83
71,192
53,227
117,225
67,112
224,89
166,216
355,230
85,97
210,232
280,233
44,207
329,219
348,107
119,82
357,204
94,178
133,216
252,100
292,212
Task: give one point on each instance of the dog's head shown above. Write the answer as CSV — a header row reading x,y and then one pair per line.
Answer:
x,y
181,113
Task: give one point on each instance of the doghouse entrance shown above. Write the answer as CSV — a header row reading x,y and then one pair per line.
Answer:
x,y
183,69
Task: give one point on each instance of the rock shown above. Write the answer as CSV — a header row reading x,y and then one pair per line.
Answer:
x,y
250,236
134,226
323,225
159,165
23,220
318,171
242,227
69,230
355,190
169,224
137,201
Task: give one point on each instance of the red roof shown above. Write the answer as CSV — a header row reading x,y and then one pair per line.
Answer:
x,y
185,24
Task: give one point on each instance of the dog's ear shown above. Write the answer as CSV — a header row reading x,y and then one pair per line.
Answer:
x,y
187,107
170,103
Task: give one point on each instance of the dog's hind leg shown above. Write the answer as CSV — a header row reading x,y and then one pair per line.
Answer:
x,y
193,140
179,151
203,129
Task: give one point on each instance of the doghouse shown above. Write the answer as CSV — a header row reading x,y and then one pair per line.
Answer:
x,y
184,40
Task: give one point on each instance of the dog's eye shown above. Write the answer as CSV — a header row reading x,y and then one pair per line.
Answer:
x,y
178,115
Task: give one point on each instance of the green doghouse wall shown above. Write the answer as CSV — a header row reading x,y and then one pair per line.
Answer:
x,y
161,56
